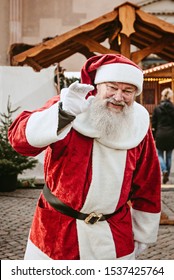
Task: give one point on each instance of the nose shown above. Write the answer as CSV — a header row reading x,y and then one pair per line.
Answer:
x,y
118,95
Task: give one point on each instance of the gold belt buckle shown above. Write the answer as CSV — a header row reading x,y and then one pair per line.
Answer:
x,y
93,215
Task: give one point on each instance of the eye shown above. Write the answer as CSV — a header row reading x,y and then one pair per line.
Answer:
x,y
112,88
127,91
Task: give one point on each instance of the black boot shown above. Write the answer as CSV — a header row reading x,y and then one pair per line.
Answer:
x,y
165,177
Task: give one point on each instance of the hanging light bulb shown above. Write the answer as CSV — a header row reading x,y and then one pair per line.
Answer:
x,y
119,39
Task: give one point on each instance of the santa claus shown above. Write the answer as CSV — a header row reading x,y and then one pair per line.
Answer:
x,y
101,198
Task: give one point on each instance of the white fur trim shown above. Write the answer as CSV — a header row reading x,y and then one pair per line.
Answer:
x,y
128,139
145,226
102,197
105,190
95,241
34,253
41,129
128,257
120,72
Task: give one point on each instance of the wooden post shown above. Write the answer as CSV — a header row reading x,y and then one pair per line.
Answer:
x,y
125,46
127,18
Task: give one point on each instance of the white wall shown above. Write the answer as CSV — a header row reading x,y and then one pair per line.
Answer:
x,y
26,88
29,90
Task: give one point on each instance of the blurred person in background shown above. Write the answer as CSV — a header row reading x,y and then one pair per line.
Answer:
x,y
163,131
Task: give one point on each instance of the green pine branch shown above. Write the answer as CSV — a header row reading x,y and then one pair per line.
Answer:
x,y
11,162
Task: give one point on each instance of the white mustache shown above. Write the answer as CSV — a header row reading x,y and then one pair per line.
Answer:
x,y
113,101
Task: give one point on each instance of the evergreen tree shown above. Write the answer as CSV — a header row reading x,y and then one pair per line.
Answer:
x,y
11,162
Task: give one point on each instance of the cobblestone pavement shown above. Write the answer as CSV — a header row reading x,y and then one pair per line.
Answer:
x,y
17,209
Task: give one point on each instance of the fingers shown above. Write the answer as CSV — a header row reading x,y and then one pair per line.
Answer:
x,y
80,88
73,98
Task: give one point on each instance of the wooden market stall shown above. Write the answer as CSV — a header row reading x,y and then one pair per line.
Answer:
x,y
127,30
155,80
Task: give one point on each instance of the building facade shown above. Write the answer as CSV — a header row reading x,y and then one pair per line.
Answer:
x,y
30,21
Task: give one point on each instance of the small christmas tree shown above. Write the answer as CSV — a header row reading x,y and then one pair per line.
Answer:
x,y
11,162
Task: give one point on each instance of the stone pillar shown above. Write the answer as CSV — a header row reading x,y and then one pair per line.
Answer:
x,y
15,21
4,31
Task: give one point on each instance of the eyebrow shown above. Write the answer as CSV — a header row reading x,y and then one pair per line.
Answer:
x,y
127,86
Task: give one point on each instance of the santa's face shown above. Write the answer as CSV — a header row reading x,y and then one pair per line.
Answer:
x,y
110,112
117,94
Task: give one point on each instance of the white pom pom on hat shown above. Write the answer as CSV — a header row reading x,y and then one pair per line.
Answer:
x,y
112,68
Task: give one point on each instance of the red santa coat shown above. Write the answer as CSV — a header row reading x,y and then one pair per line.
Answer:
x,y
91,174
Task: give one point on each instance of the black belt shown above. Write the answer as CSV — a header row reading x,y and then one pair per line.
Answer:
x,y
57,204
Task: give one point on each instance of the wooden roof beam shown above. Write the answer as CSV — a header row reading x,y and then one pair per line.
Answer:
x,y
92,45
151,32
159,23
166,56
155,47
58,40
33,64
158,75
85,51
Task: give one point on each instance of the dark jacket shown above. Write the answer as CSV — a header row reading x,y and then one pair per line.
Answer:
x,y
163,125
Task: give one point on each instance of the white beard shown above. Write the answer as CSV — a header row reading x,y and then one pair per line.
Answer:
x,y
110,123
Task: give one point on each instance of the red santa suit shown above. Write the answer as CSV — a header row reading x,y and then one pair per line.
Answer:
x,y
90,174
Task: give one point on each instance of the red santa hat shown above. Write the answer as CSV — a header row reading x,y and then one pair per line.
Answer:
x,y
111,68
